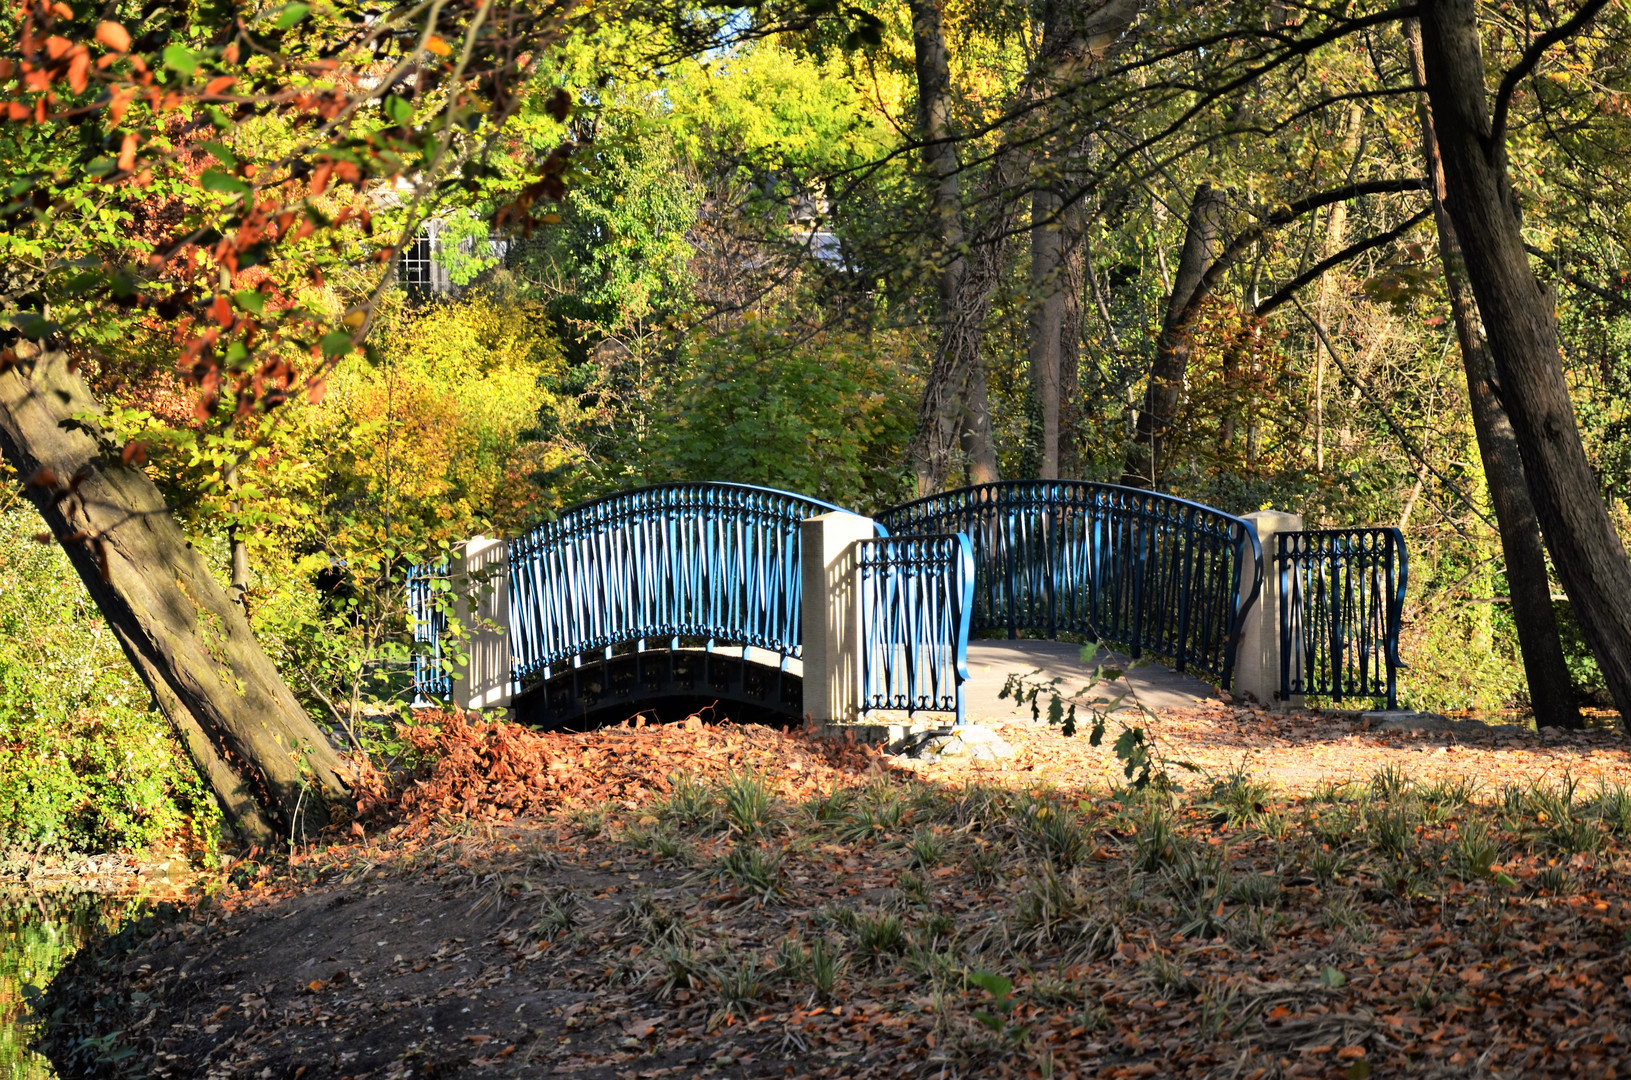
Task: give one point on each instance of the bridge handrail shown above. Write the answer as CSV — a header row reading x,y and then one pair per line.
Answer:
x,y
1341,611
711,560
916,603
1049,557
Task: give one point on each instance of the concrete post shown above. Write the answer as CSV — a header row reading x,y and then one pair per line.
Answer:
x,y
832,615
1257,659
481,576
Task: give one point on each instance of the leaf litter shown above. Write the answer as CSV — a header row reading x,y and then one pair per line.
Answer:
x,y
719,900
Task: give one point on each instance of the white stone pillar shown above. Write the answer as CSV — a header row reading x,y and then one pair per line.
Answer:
x,y
1257,658
832,615
481,580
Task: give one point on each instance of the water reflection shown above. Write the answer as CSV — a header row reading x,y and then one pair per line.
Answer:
x,y
38,934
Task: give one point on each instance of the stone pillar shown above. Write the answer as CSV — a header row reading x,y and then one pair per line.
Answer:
x,y
481,578
832,615
1257,658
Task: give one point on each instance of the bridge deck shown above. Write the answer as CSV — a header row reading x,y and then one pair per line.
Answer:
x,y
991,662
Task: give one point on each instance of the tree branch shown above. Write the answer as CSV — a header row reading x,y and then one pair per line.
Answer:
x,y
1313,273
1531,57
1619,300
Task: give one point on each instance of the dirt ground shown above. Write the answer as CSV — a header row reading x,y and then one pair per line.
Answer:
x,y
625,909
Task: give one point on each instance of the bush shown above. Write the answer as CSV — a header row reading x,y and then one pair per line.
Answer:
x,y
85,765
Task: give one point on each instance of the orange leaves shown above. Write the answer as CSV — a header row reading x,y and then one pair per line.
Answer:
x,y
438,46
127,152
113,36
219,85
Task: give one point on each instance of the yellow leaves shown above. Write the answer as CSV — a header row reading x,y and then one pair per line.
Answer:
x,y
436,45
113,35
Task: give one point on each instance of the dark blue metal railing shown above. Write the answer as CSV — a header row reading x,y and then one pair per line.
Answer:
x,y
428,597
717,563
1341,603
1134,568
916,601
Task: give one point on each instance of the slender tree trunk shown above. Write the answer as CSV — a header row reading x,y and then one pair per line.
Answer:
x,y
941,419
1070,343
1047,320
184,635
1144,457
1551,691
1521,327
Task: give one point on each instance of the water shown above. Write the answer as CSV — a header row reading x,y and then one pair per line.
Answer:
x,y
39,933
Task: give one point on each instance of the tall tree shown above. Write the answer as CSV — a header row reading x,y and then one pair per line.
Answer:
x,y
1551,691
1172,348
1521,326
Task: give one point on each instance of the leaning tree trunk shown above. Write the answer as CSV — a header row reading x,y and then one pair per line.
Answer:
x,y
188,641
1521,327
1171,365
1551,691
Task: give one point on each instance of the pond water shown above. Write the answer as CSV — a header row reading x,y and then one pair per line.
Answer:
x,y
39,933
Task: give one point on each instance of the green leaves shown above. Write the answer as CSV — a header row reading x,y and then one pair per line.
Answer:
x,y
291,14
216,180
335,343
180,59
250,300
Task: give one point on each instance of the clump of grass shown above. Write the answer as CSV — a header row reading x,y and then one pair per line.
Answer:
x,y
1237,798
689,803
925,849
652,924
1476,850
1390,782
675,966
830,806
1613,806
826,965
739,984
873,820
1327,864
752,868
1344,912
879,934
560,914
1392,830
1165,976
748,804
1256,890
1055,832
1054,910
1156,843
984,864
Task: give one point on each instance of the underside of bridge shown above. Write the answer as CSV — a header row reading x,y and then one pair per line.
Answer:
x,y
664,686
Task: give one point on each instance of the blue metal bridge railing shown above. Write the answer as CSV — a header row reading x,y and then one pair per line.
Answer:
x,y
717,563
916,600
1341,605
1134,568
428,591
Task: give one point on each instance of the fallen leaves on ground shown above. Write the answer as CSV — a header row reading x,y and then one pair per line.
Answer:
x,y
1325,901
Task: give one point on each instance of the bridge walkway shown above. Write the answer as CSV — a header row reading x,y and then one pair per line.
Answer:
x,y
990,662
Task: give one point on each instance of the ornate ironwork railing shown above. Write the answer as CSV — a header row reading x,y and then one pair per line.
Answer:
x,y
712,562
427,613
1134,568
1341,602
916,601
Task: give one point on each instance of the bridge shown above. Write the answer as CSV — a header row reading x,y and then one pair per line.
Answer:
x,y
775,605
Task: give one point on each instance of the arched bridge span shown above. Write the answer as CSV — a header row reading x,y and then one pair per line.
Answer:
x,y
670,597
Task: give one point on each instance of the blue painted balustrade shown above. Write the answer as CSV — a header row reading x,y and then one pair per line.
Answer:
x,y
916,600
716,564
1138,569
1341,606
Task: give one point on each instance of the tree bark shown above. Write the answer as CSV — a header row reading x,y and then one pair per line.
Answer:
x,y
186,638
1047,321
1172,348
1521,328
1074,284
1551,691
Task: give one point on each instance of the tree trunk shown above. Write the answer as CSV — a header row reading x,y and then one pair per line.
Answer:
x,y
1551,691
184,635
1144,457
1074,285
1521,328
941,421
1047,321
